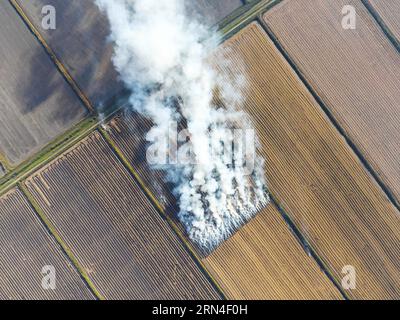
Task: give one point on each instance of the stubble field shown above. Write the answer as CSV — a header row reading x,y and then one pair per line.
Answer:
x,y
27,247
354,72
126,248
319,181
389,11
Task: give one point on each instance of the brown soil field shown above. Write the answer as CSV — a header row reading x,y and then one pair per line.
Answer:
x,y
26,247
389,11
264,260
81,43
36,103
319,181
126,248
354,72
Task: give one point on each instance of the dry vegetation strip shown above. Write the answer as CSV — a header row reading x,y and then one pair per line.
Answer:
x,y
320,182
36,104
389,12
126,248
26,247
355,73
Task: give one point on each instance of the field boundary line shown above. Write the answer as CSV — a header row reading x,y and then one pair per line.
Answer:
x,y
235,14
379,20
55,149
342,133
59,65
65,249
49,153
309,250
250,13
156,204
4,162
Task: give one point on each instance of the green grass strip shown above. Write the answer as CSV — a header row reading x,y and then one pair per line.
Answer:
x,y
244,16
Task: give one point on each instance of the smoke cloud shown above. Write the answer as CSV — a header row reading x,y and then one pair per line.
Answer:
x,y
162,56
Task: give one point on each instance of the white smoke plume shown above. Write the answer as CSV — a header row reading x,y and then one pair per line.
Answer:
x,y
162,56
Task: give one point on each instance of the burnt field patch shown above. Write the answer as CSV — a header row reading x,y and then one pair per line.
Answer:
x,y
262,260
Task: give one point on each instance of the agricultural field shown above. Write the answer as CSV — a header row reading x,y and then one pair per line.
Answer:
x,y
127,249
264,260
128,133
318,180
80,41
323,100
360,85
27,247
389,12
36,103
279,265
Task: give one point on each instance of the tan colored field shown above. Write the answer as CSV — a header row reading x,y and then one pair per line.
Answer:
x,y
126,248
355,73
26,247
265,261
320,182
389,11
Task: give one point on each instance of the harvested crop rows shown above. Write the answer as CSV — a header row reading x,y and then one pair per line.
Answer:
x,y
354,72
27,247
263,260
389,11
126,248
320,182
128,132
36,103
